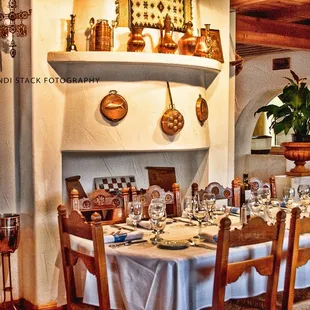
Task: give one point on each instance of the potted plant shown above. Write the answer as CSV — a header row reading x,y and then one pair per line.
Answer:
x,y
294,113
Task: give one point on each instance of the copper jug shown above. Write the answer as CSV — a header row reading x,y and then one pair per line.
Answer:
x,y
101,36
187,44
202,49
136,42
167,45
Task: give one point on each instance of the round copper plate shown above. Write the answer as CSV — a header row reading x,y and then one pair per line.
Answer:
x,y
202,111
172,122
113,106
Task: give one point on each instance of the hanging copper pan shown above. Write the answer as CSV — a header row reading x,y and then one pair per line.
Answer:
x,y
172,121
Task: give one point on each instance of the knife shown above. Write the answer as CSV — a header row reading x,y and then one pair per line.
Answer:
x,y
122,227
127,243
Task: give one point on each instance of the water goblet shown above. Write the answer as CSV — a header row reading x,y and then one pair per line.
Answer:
x,y
188,209
254,204
158,216
200,210
210,200
288,196
303,193
135,212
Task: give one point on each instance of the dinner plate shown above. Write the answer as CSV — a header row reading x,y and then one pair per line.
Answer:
x,y
173,244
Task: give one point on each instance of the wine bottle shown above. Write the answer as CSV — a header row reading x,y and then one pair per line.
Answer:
x,y
245,191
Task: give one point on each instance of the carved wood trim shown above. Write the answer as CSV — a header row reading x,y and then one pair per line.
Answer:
x,y
264,266
303,256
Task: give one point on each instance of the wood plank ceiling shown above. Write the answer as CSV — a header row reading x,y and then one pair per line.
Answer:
x,y
265,26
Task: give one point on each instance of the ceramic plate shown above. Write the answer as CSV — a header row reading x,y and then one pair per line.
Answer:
x,y
173,244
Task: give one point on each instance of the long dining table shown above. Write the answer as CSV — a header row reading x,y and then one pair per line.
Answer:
x,y
144,276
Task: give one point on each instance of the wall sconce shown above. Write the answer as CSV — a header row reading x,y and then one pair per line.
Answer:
x,y
8,25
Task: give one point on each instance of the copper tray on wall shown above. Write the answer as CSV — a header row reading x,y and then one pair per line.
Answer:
x,y
113,106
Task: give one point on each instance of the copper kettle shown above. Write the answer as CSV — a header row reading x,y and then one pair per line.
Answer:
x,y
166,44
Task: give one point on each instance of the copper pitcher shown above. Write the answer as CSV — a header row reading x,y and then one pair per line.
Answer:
x,y
187,44
202,49
166,44
136,42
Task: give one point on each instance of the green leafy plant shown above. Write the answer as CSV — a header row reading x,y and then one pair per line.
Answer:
x,y
294,112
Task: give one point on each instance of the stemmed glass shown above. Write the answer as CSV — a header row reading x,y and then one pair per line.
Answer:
x,y
200,212
263,195
303,192
210,200
188,209
158,216
135,212
288,196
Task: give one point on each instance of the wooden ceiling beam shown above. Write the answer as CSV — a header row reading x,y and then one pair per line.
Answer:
x,y
259,31
293,14
237,4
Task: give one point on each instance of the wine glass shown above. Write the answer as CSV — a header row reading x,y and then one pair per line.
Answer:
x,y
135,212
200,210
254,204
210,200
303,192
269,210
288,196
188,209
158,216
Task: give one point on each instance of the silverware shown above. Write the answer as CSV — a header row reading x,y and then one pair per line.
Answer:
x,y
200,245
185,221
234,214
126,243
122,227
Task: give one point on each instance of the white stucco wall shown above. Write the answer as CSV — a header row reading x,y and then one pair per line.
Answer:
x,y
55,116
256,85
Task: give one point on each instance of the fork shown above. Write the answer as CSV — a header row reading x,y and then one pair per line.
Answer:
x,y
200,245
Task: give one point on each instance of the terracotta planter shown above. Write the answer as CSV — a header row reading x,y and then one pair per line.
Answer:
x,y
299,152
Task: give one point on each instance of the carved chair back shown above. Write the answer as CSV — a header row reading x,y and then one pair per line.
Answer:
x,y
172,198
256,231
110,206
256,183
95,261
296,256
216,188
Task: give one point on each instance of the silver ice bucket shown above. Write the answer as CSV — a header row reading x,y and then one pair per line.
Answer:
x,y
9,232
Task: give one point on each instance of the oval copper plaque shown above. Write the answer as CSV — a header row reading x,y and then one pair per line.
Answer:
x,y
113,106
202,111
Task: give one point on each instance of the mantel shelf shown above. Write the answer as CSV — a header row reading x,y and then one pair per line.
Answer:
x,y
128,66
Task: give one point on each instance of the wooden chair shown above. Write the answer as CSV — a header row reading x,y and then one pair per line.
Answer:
x,y
296,257
256,183
216,188
110,206
95,262
172,198
256,231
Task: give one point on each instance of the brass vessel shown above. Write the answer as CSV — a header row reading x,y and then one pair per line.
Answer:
x,y
166,44
136,42
101,36
187,44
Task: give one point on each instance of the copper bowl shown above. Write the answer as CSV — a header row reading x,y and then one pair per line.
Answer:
x,y
9,232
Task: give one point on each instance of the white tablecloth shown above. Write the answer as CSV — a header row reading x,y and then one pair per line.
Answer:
x,y
143,276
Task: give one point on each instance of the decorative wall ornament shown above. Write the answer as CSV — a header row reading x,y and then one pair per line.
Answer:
x,y
147,13
8,25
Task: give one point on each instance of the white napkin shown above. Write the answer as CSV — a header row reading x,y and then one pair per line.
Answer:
x,y
123,237
142,224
